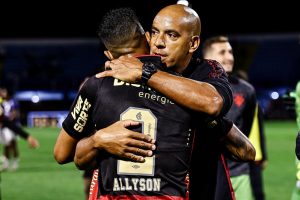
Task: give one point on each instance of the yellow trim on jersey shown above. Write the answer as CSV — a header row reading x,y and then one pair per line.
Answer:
x,y
254,136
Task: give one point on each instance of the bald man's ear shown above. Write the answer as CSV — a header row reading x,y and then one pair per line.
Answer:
x,y
108,55
195,43
148,36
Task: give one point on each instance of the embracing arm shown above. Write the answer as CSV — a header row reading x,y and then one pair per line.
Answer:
x,y
234,144
239,146
64,148
196,95
86,154
117,140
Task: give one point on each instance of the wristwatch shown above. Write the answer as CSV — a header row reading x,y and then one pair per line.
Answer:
x,y
148,70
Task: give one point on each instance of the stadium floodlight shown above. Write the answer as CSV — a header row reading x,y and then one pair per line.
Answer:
x,y
35,98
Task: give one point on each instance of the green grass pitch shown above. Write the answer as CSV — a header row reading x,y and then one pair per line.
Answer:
x,y
41,178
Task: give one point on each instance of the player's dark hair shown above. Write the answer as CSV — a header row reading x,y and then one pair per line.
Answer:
x,y
119,26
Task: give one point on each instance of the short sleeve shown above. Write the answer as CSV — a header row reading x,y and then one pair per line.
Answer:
x,y
78,123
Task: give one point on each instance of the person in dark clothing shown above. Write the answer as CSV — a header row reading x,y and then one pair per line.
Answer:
x,y
129,69
32,142
258,139
12,112
158,105
296,190
241,112
213,67
5,122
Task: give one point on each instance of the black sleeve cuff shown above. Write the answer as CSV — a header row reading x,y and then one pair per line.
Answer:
x,y
221,125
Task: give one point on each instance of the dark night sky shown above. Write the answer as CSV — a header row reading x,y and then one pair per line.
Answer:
x,y
52,19
80,19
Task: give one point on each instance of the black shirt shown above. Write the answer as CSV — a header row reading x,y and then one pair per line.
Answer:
x,y
242,114
209,175
102,102
12,125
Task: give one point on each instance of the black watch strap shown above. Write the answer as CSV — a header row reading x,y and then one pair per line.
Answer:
x,y
148,70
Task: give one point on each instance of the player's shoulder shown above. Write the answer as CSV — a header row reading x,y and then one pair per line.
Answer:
x,y
213,64
200,63
246,84
90,85
91,81
247,87
216,69
206,62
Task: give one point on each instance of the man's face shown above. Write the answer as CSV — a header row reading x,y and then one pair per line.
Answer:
x,y
171,39
222,52
3,93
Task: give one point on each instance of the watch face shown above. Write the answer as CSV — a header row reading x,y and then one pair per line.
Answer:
x,y
148,70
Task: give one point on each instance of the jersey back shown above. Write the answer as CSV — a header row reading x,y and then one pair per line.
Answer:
x,y
101,102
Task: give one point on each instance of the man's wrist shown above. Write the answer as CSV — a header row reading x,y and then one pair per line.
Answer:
x,y
139,74
95,140
147,71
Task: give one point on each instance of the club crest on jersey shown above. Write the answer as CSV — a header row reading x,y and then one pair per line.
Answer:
x,y
238,100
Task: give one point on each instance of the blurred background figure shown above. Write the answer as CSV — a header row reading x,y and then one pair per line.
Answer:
x,y
296,191
241,112
10,157
258,139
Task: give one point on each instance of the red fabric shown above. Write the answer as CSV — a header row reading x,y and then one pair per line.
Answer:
x,y
228,176
94,186
94,192
138,197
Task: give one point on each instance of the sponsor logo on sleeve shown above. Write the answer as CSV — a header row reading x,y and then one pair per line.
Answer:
x,y
80,113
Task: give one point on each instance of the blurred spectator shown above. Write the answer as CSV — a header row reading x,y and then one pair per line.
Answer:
x,y
11,111
8,137
258,139
241,112
296,191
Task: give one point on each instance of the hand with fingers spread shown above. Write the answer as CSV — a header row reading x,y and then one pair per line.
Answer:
x,y
125,68
117,140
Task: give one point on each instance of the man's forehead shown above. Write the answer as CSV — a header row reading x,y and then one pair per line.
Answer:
x,y
169,23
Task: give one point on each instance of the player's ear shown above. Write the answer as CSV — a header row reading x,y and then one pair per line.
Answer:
x,y
148,36
195,43
108,54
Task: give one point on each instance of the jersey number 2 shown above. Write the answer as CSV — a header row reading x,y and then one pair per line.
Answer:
x,y
149,126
